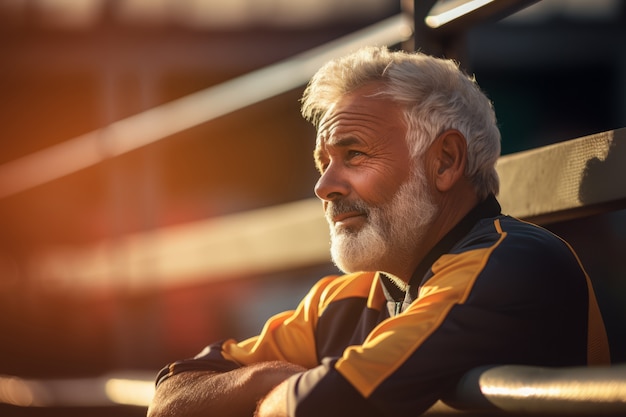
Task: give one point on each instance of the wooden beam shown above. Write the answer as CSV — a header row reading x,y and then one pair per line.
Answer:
x,y
566,180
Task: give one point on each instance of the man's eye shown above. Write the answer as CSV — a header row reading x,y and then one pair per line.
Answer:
x,y
354,154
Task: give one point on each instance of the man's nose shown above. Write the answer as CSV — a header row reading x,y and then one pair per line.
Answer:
x,y
332,184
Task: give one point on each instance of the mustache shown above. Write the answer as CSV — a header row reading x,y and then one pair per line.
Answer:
x,y
339,207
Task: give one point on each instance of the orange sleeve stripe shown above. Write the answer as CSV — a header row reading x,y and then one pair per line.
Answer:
x,y
597,341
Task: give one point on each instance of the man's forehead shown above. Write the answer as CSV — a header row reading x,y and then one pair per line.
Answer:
x,y
357,100
322,128
360,112
334,134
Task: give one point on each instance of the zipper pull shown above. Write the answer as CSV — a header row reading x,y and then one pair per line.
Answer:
x,y
398,308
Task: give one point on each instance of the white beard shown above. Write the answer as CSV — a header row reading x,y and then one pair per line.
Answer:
x,y
391,233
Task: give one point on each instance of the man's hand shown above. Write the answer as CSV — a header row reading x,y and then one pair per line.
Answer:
x,y
234,394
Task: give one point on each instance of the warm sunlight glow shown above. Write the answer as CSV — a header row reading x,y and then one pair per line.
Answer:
x,y
130,392
176,116
16,391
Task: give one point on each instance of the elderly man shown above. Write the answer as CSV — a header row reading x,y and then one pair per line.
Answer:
x,y
438,280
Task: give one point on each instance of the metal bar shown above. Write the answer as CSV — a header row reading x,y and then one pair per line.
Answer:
x,y
440,26
461,15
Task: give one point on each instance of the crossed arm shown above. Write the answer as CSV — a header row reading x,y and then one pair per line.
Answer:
x,y
235,393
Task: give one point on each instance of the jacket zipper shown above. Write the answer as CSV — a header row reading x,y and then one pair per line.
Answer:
x,y
398,308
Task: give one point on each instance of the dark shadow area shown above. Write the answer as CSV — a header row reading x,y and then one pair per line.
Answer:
x,y
600,242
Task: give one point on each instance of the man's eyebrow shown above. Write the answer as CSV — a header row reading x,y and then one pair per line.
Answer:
x,y
351,140
343,142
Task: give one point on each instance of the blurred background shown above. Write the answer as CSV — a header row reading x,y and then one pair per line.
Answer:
x,y
126,225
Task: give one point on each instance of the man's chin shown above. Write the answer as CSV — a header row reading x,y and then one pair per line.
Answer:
x,y
351,267
347,268
354,261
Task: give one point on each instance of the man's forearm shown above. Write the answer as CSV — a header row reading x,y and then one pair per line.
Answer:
x,y
207,394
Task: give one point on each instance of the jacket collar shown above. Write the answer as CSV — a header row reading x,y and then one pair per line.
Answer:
x,y
487,208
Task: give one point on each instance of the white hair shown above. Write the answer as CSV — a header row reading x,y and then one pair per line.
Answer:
x,y
435,94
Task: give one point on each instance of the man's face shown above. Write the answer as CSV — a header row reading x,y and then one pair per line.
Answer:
x,y
375,200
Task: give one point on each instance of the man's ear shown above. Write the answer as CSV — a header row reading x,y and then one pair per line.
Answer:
x,y
450,159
